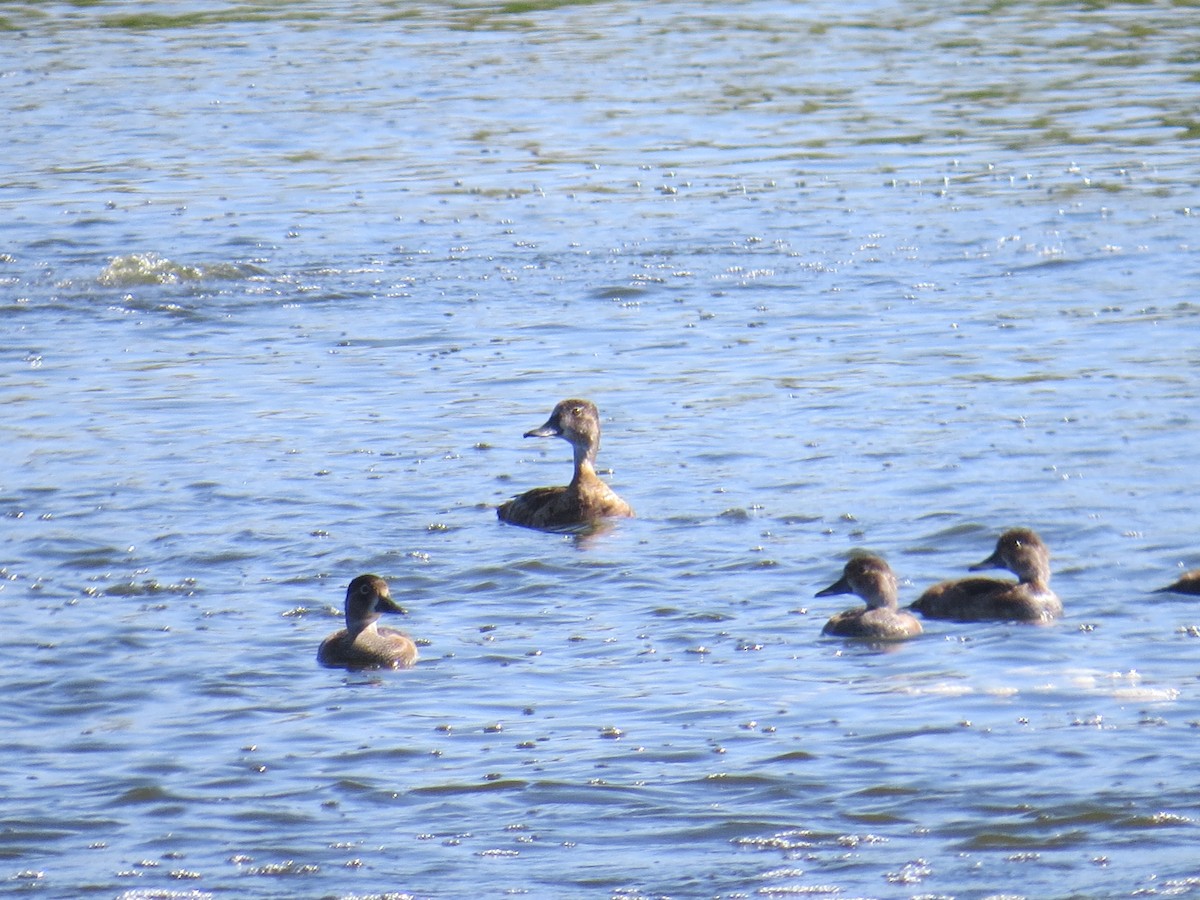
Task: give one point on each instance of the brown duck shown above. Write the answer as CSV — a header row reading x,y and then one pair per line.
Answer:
x,y
587,499
1029,599
871,578
1188,583
362,644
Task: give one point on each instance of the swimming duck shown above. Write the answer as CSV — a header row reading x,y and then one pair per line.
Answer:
x,y
362,644
881,619
1030,599
586,499
1188,583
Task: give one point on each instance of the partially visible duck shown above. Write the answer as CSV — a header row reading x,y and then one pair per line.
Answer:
x,y
587,499
881,619
1029,599
362,644
1188,583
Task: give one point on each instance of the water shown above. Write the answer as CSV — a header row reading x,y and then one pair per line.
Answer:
x,y
283,285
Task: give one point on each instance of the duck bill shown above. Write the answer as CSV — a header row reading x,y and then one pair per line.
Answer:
x,y
841,586
388,605
992,562
550,429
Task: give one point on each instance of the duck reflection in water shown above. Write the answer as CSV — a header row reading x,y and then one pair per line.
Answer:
x,y
1029,599
872,579
587,500
362,644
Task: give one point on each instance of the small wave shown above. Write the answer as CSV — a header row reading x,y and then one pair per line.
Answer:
x,y
150,268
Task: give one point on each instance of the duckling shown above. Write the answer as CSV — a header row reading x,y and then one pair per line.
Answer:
x,y
362,644
1188,583
1030,599
584,501
881,619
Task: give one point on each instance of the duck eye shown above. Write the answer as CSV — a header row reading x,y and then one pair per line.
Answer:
x,y
577,410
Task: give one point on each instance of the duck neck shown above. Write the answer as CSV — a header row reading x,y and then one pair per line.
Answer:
x,y
1034,572
585,463
354,629
883,601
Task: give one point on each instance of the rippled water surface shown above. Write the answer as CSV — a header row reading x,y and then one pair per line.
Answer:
x,y
283,284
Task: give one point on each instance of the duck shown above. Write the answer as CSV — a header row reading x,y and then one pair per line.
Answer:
x,y
362,644
872,579
587,500
1029,599
1188,583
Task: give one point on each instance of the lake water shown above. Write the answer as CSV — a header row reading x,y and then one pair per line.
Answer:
x,y
283,285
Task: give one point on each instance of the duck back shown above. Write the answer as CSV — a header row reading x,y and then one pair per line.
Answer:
x,y
982,599
1188,583
372,648
883,624
564,507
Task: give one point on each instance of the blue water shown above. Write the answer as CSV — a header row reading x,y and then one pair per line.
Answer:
x,y
282,286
